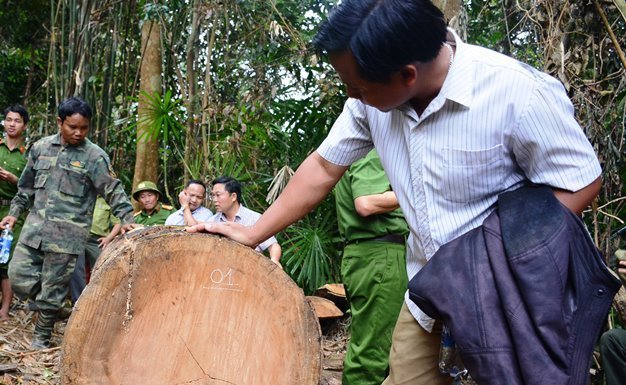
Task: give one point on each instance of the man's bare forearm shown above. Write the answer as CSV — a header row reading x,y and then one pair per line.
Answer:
x,y
311,183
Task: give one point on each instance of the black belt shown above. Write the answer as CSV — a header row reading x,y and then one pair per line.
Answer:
x,y
5,202
391,238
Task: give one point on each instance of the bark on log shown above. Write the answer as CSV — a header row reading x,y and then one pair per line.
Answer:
x,y
169,307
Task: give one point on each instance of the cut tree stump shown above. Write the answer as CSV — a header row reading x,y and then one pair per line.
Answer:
x,y
168,307
324,308
336,293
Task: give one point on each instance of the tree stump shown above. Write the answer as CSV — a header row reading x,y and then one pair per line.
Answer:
x,y
168,307
324,308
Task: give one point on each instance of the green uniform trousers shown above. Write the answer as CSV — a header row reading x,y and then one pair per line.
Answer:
x,y
44,276
374,276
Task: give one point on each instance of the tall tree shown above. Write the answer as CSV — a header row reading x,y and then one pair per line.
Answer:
x,y
147,153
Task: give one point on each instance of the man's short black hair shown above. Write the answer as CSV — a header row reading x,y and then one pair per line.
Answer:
x,y
18,109
196,181
74,105
231,185
383,35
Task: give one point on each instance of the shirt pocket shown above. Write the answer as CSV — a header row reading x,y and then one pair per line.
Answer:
x,y
472,175
42,171
73,181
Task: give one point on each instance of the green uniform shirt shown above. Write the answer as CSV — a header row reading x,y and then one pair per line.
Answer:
x,y
158,216
61,183
365,177
14,162
103,218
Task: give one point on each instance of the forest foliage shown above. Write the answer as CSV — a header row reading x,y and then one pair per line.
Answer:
x,y
243,94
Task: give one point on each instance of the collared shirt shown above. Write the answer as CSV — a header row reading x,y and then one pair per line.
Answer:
x,y
246,217
13,161
201,214
158,216
62,183
495,124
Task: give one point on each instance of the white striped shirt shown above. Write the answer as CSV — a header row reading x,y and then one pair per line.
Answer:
x,y
495,124
246,217
177,218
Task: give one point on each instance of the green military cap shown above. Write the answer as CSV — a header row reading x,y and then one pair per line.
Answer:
x,y
146,185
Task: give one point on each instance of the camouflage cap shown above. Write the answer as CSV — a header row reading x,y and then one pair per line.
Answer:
x,y
146,185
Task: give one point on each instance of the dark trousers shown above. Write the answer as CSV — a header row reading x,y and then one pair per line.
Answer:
x,y
84,263
613,354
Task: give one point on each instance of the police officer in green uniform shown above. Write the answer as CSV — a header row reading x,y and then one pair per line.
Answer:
x,y
153,212
63,176
373,268
12,162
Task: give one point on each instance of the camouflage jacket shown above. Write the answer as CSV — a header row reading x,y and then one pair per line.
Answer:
x,y
61,183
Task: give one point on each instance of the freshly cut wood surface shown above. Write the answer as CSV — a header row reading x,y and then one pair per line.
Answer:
x,y
336,293
324,308
336,289
168,307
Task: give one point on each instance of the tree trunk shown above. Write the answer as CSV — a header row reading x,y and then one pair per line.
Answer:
x,y
147,158
169,307
455,15
191,102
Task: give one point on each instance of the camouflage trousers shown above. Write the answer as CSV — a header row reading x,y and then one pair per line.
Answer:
x,y
43,276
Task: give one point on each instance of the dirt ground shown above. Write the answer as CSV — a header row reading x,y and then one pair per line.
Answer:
x,y
21,365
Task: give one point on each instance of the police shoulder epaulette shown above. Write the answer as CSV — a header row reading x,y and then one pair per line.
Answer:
x,y
136,213
167,207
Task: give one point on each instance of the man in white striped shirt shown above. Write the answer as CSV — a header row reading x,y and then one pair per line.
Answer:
x,y
455,125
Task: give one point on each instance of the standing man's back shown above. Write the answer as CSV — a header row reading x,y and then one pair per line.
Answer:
x,y
373,267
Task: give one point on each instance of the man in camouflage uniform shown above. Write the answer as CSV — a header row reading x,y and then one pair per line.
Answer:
x,y
153,212
12,162
63,176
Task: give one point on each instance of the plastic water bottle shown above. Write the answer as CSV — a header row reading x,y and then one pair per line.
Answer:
x,y
449,360
6,239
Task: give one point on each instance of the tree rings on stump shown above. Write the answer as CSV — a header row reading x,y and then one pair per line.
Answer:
x,y
168,307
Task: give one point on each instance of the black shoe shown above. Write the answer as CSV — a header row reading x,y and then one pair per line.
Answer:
x,y
39,344
32,306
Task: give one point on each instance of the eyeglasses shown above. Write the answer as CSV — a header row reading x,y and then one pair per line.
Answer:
x,y
218,194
